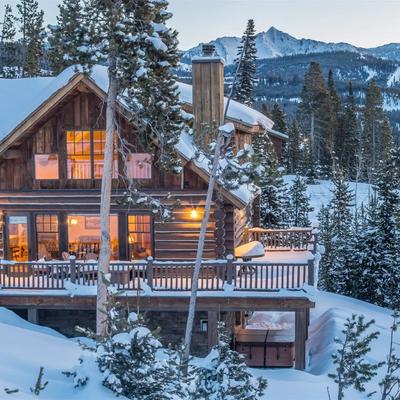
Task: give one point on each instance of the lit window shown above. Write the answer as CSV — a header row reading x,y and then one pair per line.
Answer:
x,y
84,235
78,155
139,166
18,238
139,236
46,166
81,158
47,236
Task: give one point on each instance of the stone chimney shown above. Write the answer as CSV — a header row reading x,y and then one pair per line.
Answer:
x,y
208,88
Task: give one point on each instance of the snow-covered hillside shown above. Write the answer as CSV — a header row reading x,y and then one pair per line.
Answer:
x,y
275,43
320,193
26,347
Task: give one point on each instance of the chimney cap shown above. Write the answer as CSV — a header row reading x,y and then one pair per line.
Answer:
x,y
208,49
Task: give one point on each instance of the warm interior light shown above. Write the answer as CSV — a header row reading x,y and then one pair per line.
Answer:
x,y
73,221
194,214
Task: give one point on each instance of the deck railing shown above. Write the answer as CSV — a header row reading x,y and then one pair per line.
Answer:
x,y
285,239
158,275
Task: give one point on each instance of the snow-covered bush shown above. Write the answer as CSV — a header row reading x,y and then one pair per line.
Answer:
x,y
223,375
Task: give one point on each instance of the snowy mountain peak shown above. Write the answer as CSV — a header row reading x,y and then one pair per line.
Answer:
x,y
276,43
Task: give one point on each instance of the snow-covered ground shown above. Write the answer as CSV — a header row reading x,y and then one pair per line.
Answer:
x,y
320,193
25,347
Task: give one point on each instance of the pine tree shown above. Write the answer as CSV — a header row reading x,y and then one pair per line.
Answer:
x,y
246,74
390,384
32,41
299,204
326,239
67,37
279,118
372,133
348,141
334,117
351,368
341,226
314,112
294,151
8,48
225,375
159,116
273,200
376,255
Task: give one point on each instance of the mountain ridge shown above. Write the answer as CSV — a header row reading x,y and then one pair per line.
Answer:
x,y
275,43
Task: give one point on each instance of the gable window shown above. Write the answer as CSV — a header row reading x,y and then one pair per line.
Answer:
x,y
46,166
85,154
139,166
47,236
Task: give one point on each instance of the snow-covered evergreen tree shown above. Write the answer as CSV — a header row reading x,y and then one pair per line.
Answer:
x,y
155,92
352,370
341,225
279,118
294,149
376,255
132,361
326,239
273,200
225,376
246,74
68,37
299,204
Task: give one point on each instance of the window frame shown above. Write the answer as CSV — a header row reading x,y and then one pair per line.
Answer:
x,y
36,233
91,154
151,231
34,166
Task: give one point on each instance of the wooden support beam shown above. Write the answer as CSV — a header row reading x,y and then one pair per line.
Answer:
x,y
12,154
301,329
212,329
33,315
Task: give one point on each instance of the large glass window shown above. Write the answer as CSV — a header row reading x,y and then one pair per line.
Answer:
x,y
46,166
85,154
18,238
47,236
139,166
84,236
139,236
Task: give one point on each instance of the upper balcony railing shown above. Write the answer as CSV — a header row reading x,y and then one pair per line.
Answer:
x,y
284,239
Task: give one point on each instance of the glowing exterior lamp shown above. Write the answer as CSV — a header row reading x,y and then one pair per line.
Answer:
x,y
194,214
73,221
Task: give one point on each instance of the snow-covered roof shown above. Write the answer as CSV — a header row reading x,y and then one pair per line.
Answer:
x,y
20,97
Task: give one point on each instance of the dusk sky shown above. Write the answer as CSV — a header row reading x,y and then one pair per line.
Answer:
x,y
366,23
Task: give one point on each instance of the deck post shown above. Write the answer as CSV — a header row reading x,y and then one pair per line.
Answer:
x,y
33,315
229,269
300,338
72,266
212,329
149,272
311,272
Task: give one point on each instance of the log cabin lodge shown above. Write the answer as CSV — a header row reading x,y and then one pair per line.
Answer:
x,y
52,134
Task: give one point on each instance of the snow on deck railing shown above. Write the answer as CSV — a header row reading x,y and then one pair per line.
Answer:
x,y
215,275
284,239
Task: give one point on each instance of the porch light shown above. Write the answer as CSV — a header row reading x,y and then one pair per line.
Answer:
x,y
194,214
73,221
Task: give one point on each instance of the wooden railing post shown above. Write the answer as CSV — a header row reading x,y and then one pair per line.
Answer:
x,y
72,268
149,271
310,272
229,269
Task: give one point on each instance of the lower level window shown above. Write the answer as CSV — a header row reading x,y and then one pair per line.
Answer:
x,y
139,236
84,236
47,236
18,237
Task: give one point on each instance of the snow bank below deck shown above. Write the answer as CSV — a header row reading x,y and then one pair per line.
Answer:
x,y
28,347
